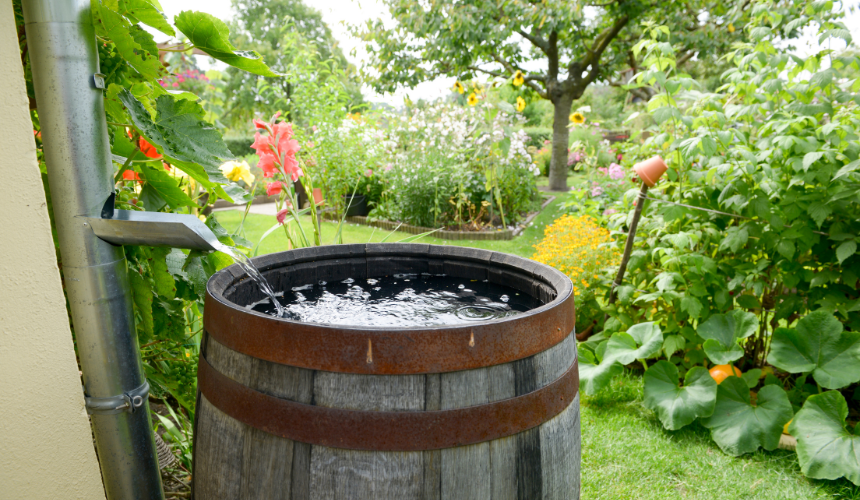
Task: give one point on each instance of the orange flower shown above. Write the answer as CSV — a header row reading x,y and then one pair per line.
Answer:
x,y
148,149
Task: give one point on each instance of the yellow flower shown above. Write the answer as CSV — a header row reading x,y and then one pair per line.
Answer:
x,y
458,87
521,104
577,118
238,170
518,78
731,28
473,99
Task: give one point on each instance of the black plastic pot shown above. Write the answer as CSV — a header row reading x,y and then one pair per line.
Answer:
x,y
355,205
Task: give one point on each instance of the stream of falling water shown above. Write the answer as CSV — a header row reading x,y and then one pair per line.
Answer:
x,y
249,267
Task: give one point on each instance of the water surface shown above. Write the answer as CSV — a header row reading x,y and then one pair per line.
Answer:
x,y
400,300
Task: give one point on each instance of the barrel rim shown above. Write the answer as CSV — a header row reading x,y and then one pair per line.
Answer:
x,y
390,350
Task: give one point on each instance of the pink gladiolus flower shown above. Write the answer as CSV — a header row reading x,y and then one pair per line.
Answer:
x,y
282,215
616,171
277,149
274,188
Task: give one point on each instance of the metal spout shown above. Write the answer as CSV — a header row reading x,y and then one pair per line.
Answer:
x,y
128,227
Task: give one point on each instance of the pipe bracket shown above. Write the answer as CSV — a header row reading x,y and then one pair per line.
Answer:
x,y
127,402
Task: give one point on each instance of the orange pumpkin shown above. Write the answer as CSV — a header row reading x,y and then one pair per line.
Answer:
x,y
722,372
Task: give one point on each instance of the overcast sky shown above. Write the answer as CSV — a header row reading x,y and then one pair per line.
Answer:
x,y
338,12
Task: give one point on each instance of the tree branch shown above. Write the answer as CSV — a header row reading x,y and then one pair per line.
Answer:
x,y
530,80
537,41
601,43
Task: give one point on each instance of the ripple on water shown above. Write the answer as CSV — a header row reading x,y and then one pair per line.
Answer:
x,y
401,300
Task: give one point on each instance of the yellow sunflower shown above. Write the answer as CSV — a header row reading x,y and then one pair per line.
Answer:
x,y
521,104
577,118
473,99
518,78
458,87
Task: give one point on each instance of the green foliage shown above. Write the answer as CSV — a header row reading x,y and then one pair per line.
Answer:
x,y
640,342
211,35
738,426
722,333
595,374
825,446
820,346
677,406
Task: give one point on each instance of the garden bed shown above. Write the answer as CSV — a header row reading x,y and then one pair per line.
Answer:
x,y
445,234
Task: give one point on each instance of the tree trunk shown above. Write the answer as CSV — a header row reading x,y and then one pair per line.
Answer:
x,y
560,135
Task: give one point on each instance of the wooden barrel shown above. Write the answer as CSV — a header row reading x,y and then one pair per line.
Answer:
x,y
483,410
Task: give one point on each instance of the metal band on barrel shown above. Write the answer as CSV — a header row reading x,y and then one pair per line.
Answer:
x,y
386,431
387,352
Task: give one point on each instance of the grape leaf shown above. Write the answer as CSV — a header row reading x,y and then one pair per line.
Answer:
x,y
180,132
113,26
678,406
818,345
147,12
825,448
166,186
738,427
212,36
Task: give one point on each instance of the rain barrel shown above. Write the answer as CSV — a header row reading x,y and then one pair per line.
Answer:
x,y
480,410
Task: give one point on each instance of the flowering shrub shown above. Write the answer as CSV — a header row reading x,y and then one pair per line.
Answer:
x,y
577,246
445,157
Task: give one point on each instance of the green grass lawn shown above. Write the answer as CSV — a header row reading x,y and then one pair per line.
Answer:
x,y
626,452
256,225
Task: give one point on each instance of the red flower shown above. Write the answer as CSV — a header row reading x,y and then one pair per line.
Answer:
x,y
277,150
130,175
148,149
274,188
267,164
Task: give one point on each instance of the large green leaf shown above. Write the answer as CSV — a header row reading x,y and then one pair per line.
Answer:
x,y
166,186
212,36
141,293
818,345
147,12
594,376
640,342
722,332
678,406
181,133
738,427
825,448
113,26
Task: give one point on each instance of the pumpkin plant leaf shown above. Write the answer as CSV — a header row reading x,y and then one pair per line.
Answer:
x,y
594,375
147,12
738,427
678,406
721,354
211,35
639,342
825,447
818,345
722,332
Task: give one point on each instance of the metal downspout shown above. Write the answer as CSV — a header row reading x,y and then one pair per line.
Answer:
x,y
62,47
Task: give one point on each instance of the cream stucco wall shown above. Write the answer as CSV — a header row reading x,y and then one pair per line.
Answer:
x,y
46,448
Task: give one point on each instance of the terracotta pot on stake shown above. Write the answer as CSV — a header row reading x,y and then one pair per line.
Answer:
x,y
650,172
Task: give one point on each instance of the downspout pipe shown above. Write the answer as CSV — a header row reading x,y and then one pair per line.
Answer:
x,y
62,47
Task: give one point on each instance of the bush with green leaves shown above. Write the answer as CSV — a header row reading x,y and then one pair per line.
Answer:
x,y
767,278
448,163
